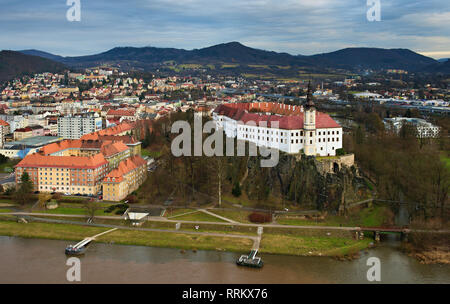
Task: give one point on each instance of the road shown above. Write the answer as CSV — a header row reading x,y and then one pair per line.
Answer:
x,y
7,178
160,219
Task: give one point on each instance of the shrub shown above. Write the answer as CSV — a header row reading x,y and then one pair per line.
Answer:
x,y
340,152
260,218
131,199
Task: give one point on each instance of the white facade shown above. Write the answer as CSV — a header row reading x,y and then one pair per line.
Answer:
x,y
424,128
314,141
75,127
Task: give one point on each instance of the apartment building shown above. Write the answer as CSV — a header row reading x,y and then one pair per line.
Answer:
x,y
80,166
72,174
74,127
125,179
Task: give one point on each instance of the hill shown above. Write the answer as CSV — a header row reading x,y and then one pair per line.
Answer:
x,y
14,64
243,58
374,58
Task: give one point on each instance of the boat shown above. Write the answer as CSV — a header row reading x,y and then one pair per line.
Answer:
x,y
250,260
72,250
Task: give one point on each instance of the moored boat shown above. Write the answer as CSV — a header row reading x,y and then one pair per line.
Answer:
x,y
72,250
250,260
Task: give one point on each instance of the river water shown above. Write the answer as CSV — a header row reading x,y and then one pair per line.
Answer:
x,y
43,261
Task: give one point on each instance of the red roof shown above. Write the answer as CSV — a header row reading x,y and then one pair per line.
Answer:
x,y
292,116
73,162
120,112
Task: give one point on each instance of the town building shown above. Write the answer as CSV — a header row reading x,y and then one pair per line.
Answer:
x,y
4,130
64,174
423,128
125,179
288,128
80,166
74,127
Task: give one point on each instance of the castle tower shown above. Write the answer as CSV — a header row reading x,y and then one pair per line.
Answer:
x,y
310,124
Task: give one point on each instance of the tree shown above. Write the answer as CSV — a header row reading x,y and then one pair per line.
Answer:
x,y
91,208
44,198
23,193
236,191
359,135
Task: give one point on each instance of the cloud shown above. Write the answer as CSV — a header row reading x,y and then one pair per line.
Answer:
x,y
294,26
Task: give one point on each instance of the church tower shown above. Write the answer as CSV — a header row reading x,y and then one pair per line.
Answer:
x,y
309,124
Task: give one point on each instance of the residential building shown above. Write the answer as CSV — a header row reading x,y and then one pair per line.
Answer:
x,y
424,128
125,179
74,127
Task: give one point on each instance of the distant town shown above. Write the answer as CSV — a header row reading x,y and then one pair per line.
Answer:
x,y
92,149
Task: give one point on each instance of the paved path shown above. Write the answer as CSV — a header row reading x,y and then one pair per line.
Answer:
x,y
58,221
218,216
186,213
160,219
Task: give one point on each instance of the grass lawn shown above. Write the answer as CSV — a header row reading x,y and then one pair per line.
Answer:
x,y
151,154
68,210
240,216
229,229
303,245
368,217
199,216
128,237
176,212
5,210
178,240
5,167
48,230
300,222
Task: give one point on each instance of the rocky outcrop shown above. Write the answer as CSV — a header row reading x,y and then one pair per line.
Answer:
x,y
308,181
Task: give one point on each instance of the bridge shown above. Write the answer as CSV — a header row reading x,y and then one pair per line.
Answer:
x,y
378,230
88,240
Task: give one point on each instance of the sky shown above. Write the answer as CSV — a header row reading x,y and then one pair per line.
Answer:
x,y
294,26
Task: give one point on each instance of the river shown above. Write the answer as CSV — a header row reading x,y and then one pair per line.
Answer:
x,y
43,261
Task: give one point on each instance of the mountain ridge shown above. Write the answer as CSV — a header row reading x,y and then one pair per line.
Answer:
x,y
13,64
351,59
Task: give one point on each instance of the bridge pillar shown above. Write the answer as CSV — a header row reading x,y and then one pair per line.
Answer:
x,y
377,236
361,235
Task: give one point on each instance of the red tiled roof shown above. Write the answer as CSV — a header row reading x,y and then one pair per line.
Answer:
x,y
110,148
124,168
292,119
72,162
120,112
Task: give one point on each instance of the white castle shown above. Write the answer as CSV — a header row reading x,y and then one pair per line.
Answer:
x,y
285,127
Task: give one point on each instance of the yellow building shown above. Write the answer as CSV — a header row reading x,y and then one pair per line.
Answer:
x,y
64,174
125,179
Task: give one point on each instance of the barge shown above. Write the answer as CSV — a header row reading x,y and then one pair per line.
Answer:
x,y
250,260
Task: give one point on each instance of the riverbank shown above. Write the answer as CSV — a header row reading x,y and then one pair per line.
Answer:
x,y
438,254
270,243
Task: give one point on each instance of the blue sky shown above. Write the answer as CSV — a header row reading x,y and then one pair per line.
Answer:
x,y
294,26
